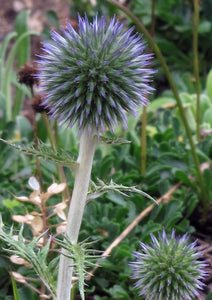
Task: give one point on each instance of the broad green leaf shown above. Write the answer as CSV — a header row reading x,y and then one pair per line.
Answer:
x,y
209,296
207,117
23,49
8,71
53,19
24,127
204,27
209,85
161,102
3,49
183,176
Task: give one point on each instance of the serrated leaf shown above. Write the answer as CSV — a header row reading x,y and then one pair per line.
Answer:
x,y
113,141
60,156
81,258
96,191
30,252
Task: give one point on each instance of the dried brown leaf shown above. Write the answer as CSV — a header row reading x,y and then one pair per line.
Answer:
x,y
33,183
59,210
19,261
18,277
61,228
23,219
56,188
22,198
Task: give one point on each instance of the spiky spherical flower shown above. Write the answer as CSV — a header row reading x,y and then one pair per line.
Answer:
x,y
94,76
168,269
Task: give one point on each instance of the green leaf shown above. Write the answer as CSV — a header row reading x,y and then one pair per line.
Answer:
x,y
3,49
204,27
23,55
183,176
60,156
31,253
10,204
117,292
176,126
161,102
190,206
53,19
209,296
207,117
173,213
209,85
8,72
23,49
15,290
82,259
24,127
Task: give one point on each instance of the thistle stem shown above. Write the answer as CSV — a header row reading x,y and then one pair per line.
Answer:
x,y
144,115
78,201
196,64
143,140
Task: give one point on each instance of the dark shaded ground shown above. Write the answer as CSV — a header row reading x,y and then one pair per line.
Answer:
x,y
37,20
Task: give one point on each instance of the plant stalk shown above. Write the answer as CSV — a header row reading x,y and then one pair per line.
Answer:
x,y
78,201
34,125
203,193
196,64
143,140
53,142
144,114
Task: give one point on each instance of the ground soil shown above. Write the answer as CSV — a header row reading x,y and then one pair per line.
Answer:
x,y
37,20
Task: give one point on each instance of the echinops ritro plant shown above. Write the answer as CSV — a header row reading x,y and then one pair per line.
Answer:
x,y
169,268
92,77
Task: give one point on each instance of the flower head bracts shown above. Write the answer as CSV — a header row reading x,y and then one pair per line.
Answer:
x,y
168,269
94,76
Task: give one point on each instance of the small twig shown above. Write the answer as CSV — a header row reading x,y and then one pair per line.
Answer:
x,y
165,198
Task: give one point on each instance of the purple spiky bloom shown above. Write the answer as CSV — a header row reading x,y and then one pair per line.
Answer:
x,y
169,268
94,76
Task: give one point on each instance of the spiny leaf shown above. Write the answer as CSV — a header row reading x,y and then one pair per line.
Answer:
x,y
60,157
113,141
31,253
96,191
81,257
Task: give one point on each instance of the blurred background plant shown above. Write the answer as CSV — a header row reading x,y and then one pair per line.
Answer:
x,y
169,161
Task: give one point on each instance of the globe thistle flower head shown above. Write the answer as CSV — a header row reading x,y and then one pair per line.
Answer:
x,y
93,77
169,268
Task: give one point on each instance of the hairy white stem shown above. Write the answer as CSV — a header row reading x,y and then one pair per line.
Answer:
x,y
78,201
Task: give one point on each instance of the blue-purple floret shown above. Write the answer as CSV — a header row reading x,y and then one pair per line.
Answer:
x,y
95,76
169,268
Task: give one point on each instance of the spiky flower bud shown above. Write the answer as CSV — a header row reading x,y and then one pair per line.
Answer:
x,y
168,269
28,74
94,76
37,106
